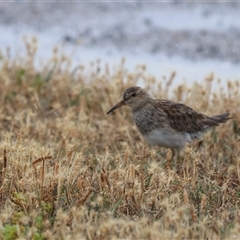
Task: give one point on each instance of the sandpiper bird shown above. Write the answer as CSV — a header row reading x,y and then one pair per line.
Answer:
x,y
165,123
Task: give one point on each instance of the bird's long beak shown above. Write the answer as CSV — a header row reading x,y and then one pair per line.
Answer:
x,y
118,105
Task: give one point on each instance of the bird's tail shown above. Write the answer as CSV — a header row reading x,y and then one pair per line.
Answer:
x,y
221,118
210,122
215,120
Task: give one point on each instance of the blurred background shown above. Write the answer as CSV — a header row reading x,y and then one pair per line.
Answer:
x,y
191,38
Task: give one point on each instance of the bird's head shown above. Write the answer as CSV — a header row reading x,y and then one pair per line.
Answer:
x,y
134,97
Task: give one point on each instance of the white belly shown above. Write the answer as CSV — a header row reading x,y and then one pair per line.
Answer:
x,y
166,138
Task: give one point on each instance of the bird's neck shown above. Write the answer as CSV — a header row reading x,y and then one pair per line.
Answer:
x,y
142,104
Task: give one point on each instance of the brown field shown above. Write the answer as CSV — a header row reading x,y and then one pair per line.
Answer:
x,y
69,171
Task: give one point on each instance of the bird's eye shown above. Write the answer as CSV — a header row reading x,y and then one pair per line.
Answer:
x,y
133,94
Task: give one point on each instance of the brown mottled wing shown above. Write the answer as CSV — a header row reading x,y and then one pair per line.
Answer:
x,y
184,119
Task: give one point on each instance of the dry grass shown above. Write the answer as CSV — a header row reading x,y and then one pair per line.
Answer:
x,y
69,171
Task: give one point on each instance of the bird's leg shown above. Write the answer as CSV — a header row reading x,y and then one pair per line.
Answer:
x,y
173,153
178,154
175,156
170,160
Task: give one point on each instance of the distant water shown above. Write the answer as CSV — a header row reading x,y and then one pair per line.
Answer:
x,y
158,65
